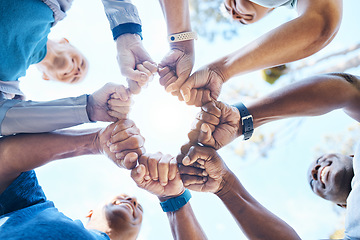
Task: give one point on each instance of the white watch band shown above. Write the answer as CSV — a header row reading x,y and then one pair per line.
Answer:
x,y
179,37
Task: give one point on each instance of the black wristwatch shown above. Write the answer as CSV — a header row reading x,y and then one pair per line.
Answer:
x,y
246,120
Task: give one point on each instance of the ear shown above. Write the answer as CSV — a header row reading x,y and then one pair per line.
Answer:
x,y
45,77
342,205
89,215
64,40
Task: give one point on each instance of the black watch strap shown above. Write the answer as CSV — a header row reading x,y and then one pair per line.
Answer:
x,y
246,120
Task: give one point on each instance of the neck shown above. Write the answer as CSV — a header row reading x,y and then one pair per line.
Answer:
x,y
50,53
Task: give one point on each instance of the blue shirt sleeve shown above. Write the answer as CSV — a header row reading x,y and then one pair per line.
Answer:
x,y
24,191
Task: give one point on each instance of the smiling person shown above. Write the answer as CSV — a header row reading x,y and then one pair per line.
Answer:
x,y
25,26
309,32
333,177
25,213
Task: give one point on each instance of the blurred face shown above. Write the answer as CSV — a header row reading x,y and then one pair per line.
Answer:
x,y
245,11
66,64
122,217
330,177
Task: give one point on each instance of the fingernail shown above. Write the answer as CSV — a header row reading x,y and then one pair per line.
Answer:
x,y
112,148
138,170
143,77
117,155
203,128
204,179
186,160
185,96
108,143
147,177
204,173
163,184
170,88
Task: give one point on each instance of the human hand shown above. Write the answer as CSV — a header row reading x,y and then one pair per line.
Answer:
x,y
122,143
147,68
180,60
202,169
199,96
158,174
207,78
131,53
109,103
216,125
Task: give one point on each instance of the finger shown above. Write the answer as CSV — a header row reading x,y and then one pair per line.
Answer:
x,y
132,143
118,115
144,161
122,125
193,155
212,108
163,169
191,180
153,166
173,169
130,160
152,67
120,156
118,102
163,71
134,87
125,134
121,93
138,174
205,136
192,97
185,88
135,75
165,78
192,171
208,118
120,110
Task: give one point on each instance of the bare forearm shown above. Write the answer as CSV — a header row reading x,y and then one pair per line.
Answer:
x,y
291,41
24,152
254,220
311,97
184,224
177,16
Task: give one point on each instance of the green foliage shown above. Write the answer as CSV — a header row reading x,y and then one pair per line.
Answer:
x,y
209,19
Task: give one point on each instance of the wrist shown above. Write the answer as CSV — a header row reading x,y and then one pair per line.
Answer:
x,y
184,46
164,198
226,184
176,203
219,69
89,107
246,124
128,38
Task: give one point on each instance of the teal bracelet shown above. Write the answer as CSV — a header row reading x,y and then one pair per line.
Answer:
x,y
174,204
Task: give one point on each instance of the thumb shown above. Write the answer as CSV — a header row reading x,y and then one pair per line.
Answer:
x,y
134,87
138,174
205,136
170,58
130,160
185,89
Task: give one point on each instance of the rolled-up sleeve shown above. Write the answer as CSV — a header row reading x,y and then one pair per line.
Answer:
x,y
123,17
17,116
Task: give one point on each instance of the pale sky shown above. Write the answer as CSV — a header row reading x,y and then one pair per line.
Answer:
x,y
278,181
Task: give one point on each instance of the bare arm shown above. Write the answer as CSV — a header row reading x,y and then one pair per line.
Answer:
x,y
219,124
312,97
314,28
254,220
25,152
184,224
